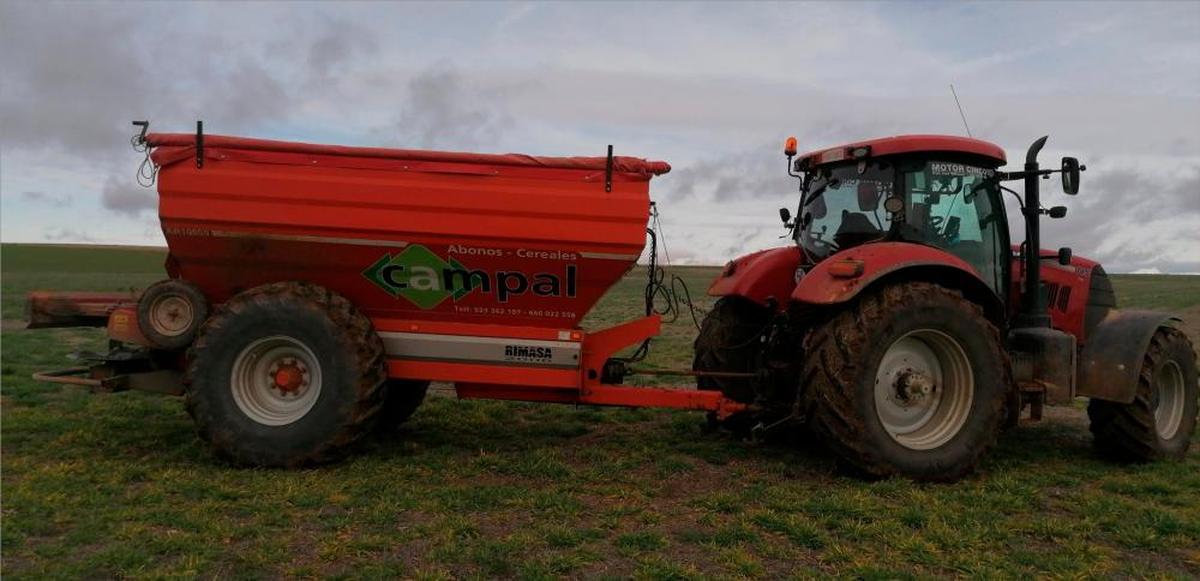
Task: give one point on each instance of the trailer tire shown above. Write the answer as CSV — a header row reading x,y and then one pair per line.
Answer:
x,y
942,357
1159,422
727,342
285,375
401,401
170,312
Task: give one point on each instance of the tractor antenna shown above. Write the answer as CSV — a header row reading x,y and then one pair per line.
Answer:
x,y
960,110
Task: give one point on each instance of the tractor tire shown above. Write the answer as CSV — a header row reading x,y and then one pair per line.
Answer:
x,y
403,398
1159,422
170,312
912,380
728,342
285,375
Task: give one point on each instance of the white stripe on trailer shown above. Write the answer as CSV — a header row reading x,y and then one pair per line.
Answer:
x,y
473,349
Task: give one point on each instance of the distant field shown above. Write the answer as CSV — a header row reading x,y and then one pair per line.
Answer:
x,y
118,485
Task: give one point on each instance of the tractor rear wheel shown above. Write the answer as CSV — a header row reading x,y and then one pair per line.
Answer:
x,y
912,380
286,374
1159,422
728,341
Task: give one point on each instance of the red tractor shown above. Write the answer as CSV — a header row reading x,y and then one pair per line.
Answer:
x,y
904,328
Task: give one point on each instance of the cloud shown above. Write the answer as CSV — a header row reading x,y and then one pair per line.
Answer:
x,y
337,45
66,235
42,198
712,88
125,197
75,75
756,173
444,111
1133,217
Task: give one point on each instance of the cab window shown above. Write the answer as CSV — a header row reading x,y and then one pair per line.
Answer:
x,y
954,206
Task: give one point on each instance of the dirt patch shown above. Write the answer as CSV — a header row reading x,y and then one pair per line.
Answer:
x,y
10,325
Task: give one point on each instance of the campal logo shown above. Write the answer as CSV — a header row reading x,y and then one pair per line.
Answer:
x,y
426,279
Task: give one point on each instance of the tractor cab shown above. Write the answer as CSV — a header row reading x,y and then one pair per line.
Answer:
x,y
922,189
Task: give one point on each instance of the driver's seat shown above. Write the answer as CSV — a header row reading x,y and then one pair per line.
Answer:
x,y
856,229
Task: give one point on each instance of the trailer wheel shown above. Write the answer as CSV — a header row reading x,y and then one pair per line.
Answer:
x,y
402,399
728,342
170,312
284,375
912,380
1159,422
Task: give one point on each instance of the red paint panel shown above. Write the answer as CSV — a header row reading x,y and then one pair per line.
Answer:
x,y
123,326
1067,289
909,144
820,286
760,276
246,220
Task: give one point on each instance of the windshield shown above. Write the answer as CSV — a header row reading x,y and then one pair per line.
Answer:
x,y
956,207
843,207
949,205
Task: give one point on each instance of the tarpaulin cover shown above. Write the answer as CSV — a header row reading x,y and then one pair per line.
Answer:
x,y
174,147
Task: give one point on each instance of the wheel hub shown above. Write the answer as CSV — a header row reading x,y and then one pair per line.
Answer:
x,y
276,380
289,376
171,315
913,386
923,389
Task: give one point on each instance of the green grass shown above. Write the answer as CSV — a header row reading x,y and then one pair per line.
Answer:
x,y
118,485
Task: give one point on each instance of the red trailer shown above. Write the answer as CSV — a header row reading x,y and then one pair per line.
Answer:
x,y
349,278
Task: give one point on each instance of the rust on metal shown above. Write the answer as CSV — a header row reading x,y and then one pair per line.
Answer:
x,y
48,309
101,378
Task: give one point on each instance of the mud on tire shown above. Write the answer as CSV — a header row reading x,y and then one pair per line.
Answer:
x,y
728,342
844,356
1159,422
255,366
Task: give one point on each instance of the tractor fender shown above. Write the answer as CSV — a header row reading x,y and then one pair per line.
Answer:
x,y
1112,357
844,275
762,277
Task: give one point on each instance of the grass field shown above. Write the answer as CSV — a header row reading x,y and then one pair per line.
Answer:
x,y
118,485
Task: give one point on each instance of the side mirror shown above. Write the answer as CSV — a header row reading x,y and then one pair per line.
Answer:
x,y
785,215
1070,175
1057,212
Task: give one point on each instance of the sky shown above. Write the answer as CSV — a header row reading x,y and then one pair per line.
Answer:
x,y
712,88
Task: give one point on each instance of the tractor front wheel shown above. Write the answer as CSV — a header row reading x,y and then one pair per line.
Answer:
x,y
729,340
285,375
1159,422
912,381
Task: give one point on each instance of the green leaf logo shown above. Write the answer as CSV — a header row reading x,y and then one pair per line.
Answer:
x,y
422,277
